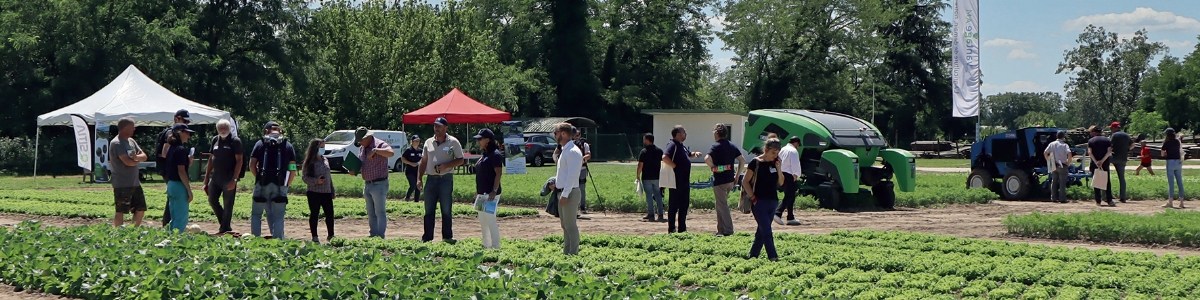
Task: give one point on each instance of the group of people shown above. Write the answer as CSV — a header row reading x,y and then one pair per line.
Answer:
x,y
273,165
1111,154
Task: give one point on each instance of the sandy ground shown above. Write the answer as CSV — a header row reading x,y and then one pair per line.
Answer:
x,y
974,221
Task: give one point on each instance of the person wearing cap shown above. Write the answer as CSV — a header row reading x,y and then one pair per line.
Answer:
x,y
1172,152
789,157
1059,153
273,162
720,159
161,147
412,160
677,157
566,185
1100,153
1121,144
221,176
374,154
179,191
435,176
488,171
124,156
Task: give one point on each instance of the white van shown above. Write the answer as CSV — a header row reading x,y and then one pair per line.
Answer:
x,y
341,142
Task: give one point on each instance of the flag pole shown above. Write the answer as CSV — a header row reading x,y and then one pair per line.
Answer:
x,y
979,116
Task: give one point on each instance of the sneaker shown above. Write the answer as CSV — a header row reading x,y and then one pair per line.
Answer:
x,y
773,259
1111,203
648,218
793,222
661,219
1123,200
778,220
1168,205
316,240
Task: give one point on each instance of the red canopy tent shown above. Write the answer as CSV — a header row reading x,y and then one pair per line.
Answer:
x,y
457,108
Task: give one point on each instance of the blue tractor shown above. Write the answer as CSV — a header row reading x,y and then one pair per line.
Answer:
x,y
1015,158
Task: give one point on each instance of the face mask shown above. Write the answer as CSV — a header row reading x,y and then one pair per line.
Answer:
x,y
223,135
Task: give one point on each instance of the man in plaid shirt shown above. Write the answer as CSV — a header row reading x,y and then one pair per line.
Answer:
x,y
374,154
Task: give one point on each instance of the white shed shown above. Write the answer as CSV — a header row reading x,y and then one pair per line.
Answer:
x,y
699,125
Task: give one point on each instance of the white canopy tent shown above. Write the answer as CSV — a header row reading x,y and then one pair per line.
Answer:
x,y
131,94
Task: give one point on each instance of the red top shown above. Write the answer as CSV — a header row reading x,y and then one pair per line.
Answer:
x,y
1146,154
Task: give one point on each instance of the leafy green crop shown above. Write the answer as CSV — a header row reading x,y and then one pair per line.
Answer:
x,y
1179,228
101,262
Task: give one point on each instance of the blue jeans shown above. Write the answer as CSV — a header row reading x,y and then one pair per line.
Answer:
x,y
376,194
764,214
177,203
1175,178
275,212
654,200
439,190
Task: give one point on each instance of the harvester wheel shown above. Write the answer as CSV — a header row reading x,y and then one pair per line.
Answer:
x,y
1016,185
980,179
885,194
829,195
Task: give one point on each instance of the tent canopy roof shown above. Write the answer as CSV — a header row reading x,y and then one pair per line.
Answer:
x,y
457,108
132,94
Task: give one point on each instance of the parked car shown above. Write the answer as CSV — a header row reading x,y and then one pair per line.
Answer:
x,y
539,149
341,142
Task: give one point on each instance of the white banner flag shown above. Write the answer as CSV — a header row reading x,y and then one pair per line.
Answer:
x,y
83,142
965,71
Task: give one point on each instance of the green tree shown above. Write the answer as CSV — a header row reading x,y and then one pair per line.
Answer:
x,y
1173,90
569,62
1143,122
1005,108
1107,73
1035,119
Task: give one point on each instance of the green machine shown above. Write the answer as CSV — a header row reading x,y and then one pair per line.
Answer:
x,y
838,154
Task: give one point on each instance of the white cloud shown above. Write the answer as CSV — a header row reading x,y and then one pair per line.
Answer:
x,y
1015,86
1006,43
1141,17
1020,54
1184,46
717,23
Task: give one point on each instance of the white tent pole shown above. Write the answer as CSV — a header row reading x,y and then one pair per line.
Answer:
x,y
36,140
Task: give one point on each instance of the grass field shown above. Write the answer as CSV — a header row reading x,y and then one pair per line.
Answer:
x,y
1177,228
102,262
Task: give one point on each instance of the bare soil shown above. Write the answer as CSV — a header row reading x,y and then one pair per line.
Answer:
x,y
973,221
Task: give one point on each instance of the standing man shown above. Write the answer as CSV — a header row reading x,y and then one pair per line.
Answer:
x,y
720,159
123,158
181,117
273,162
1100,153
1121,144
374,154
790,160
649,166
567,185
678,158
221,177
583,173
442,154
1059,153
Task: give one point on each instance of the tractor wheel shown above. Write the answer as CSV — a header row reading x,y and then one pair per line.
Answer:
x,y
539,161
1016,185
830,195
399,165
885,194
980,179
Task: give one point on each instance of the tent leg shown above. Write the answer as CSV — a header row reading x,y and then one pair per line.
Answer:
x,y
37,139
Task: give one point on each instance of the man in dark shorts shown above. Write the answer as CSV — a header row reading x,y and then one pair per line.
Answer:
x,y
123,157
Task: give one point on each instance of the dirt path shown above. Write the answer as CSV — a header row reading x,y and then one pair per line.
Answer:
x,y
974,221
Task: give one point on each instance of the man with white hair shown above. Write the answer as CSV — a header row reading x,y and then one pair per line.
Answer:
x,y
223,172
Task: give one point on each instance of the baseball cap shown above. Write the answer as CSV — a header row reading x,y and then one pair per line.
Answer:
x,y
270,124
1169,130
182,127
1115,124
414,137
441,121
183,113
485,133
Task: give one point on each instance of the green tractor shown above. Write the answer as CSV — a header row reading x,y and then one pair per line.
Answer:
x,y
838,154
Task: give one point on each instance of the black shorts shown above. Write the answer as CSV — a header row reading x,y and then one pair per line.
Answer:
x,y
129,199
1145,164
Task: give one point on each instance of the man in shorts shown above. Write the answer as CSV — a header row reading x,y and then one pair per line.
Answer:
x,y
123,157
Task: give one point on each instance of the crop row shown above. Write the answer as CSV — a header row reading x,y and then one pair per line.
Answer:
x,y
99,204
1178,228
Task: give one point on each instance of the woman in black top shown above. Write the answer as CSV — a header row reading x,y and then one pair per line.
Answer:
x,y
411,158
762,182
488,171
1172,152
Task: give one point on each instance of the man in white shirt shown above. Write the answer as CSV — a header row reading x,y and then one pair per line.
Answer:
x,y
1059,153
569,166
790,158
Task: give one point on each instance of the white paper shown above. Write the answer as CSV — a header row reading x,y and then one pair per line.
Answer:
x,y
1100,179
637,187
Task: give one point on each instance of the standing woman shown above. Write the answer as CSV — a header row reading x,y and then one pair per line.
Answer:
x,y
412,160
1172,152
762,183
179,191
488,170
320,188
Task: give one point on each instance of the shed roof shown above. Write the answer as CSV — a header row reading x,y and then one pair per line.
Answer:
x,y
547,124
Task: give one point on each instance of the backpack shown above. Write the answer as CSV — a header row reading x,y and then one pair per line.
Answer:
x,y
279,173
